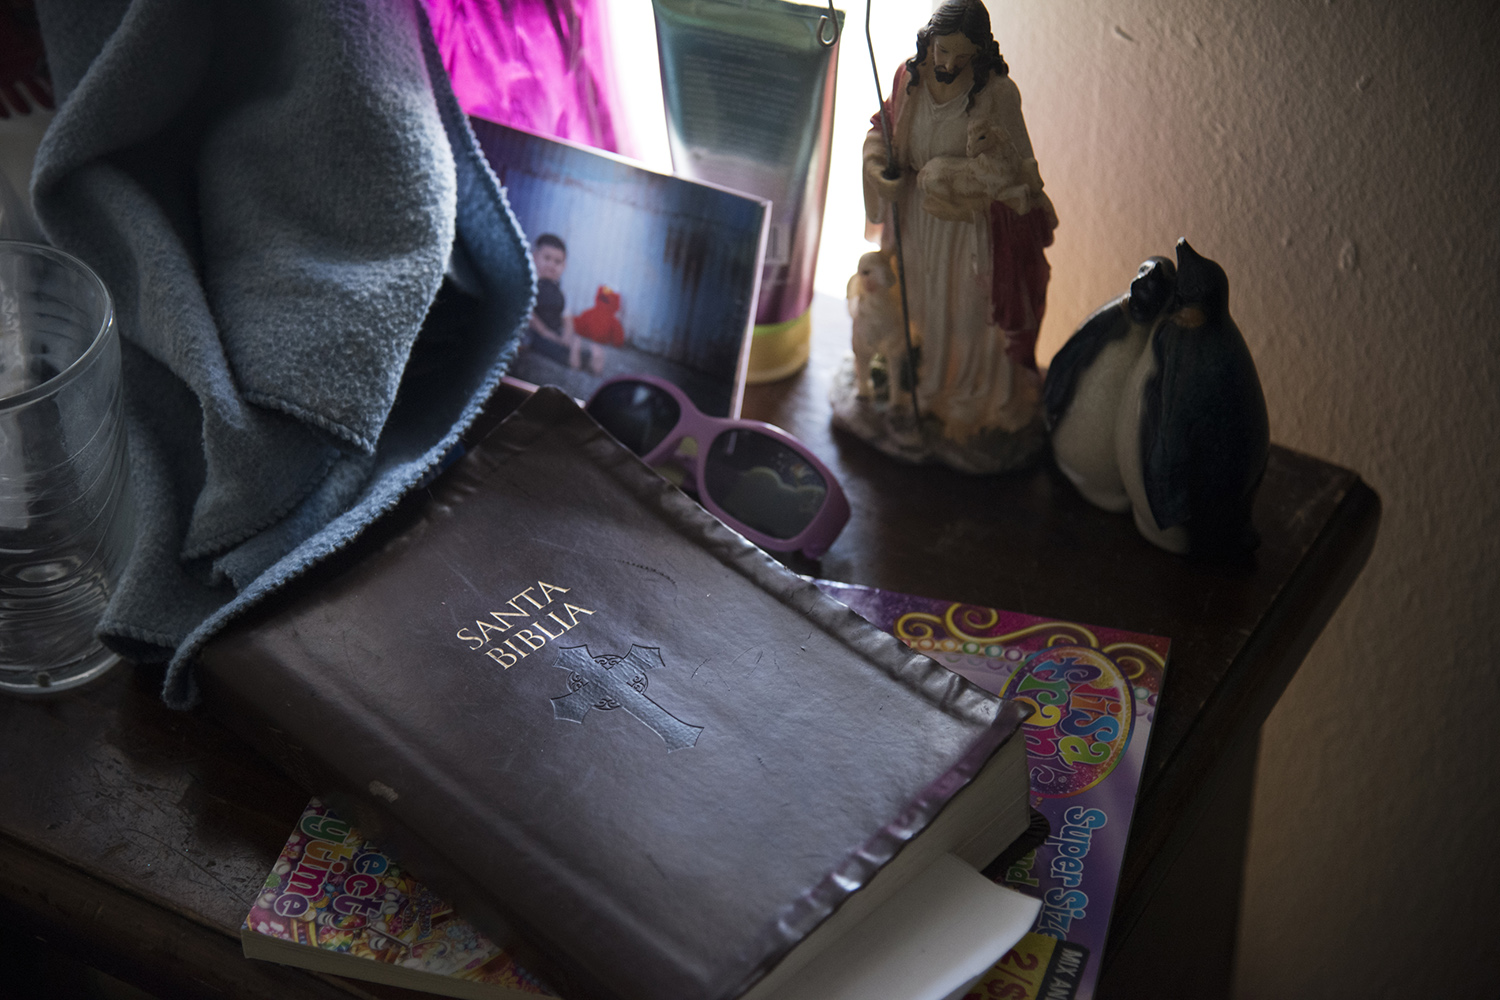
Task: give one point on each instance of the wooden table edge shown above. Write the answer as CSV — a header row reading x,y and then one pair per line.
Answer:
x,y
1238,709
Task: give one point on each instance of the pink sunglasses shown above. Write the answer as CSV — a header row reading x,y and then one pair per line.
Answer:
x,y
754,477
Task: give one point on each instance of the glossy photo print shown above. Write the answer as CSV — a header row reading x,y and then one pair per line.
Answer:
x,y
638,272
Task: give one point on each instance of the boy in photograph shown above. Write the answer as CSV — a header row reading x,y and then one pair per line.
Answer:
x,y
550,331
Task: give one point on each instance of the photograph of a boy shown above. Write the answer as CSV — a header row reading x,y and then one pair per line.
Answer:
x,y
550,331
657,276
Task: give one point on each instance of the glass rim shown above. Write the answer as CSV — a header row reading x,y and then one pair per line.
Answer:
x,y
97,344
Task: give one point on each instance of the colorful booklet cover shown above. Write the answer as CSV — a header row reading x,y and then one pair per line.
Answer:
x,y
1095,692
335,903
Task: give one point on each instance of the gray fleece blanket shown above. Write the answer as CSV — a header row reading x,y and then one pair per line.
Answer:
x,y
290,211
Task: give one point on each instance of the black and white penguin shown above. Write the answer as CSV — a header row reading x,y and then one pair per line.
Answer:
x,y
1081,396
1193,433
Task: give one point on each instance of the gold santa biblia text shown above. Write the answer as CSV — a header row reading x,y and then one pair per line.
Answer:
x,y
532,623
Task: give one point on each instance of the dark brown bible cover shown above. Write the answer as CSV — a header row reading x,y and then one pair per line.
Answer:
x,y
613,731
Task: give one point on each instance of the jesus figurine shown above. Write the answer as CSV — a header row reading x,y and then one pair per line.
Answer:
x,y
976,277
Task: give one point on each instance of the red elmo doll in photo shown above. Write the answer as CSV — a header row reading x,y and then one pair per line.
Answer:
x,y
601,322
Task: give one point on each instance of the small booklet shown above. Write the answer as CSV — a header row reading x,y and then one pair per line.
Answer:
x,y
1095,692
336,903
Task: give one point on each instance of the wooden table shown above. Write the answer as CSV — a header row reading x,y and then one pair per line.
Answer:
x,y
135,838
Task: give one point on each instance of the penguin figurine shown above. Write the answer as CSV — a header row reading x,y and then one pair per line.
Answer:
x,y
1081,396
1193,435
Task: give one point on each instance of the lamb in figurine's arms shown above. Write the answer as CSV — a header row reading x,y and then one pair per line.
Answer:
x,y
954,187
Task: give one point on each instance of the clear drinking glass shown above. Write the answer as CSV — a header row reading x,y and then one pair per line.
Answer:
x,y
65,520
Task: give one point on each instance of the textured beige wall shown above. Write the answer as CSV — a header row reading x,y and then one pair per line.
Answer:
x,y
1342,161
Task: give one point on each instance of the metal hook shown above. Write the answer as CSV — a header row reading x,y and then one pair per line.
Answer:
x,y
830,19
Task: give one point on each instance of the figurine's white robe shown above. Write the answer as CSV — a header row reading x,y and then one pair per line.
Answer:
x,y
966,378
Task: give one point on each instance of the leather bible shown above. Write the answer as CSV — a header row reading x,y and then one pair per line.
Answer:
x,y
650,760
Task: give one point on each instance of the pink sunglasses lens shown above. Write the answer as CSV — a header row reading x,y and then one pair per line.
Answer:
x,y
638,414
762,482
